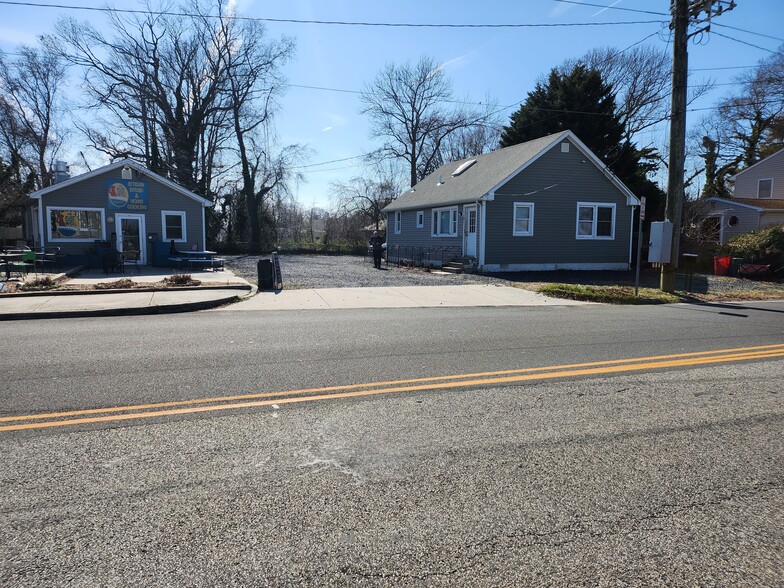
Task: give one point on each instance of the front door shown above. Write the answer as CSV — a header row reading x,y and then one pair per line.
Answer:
x,y
470,217
130,235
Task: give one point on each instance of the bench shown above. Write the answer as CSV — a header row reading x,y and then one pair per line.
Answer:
x,y
751,269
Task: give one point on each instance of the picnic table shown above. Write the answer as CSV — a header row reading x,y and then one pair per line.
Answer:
x,y
195,259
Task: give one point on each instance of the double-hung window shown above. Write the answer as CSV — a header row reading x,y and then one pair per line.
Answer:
x,y
420,219
398,222
595,220
445,222
765,188
173,223
523,219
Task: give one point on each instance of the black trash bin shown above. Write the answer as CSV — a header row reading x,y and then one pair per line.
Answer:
x,y
266,275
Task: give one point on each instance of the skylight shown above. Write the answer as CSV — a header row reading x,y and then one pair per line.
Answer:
x,y
463,166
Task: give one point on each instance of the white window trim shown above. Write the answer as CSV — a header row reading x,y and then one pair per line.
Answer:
x,y
595,206
398,222
51,239
420,219
435,228
182,215
771,188
530,231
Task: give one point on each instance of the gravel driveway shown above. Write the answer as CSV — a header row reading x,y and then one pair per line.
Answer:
x,y
345,271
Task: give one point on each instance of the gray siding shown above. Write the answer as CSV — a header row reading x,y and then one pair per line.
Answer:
x,y
411,236
574,179
91,193
748,219
772,218
773,167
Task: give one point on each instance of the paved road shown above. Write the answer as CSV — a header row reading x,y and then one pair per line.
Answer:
x,y
647,477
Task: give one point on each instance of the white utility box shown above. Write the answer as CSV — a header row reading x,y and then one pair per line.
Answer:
x,y
660,244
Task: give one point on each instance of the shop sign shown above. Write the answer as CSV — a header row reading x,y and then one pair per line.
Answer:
x,y
126,195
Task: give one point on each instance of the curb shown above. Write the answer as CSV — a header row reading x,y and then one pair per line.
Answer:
x,y
136,311
11,296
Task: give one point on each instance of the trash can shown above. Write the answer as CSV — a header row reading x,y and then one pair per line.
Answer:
x,y
721,265
734,265
266,275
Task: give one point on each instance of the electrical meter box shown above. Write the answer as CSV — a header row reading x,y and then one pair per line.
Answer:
x,y
660,243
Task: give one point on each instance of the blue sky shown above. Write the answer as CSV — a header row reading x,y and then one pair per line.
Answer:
x,y
502,64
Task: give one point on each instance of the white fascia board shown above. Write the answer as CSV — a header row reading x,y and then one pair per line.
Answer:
x,y
733,203
118,164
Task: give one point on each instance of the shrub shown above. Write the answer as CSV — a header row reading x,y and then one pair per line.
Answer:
x,y
44,283
122,284
181,280
757,246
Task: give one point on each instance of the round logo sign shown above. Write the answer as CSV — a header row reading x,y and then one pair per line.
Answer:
x,y
118,195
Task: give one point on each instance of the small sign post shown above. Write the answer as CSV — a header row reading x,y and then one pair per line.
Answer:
x,y
639,246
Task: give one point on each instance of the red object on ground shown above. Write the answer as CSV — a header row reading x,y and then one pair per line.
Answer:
x,y
721,265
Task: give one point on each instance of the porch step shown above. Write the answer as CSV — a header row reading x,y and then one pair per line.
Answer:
x,y
453,267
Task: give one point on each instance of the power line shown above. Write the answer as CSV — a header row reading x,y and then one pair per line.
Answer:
x,y
725,67
742,42
716,24
334,22
611,7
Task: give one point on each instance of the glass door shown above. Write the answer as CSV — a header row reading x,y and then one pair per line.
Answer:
x,y
130,236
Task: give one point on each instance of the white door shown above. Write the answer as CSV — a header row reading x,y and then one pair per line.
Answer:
x,y
130,235
470,218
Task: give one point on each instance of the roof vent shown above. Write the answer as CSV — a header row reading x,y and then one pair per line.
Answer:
x,y
440,179
61,171
463,166
564,147
127,172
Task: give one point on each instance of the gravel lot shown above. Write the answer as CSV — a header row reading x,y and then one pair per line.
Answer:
x,y
324,271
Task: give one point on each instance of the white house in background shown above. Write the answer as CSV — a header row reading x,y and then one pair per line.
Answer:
x,y
757,202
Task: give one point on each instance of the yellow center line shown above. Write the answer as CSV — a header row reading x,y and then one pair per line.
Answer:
x,y
370,385
610,369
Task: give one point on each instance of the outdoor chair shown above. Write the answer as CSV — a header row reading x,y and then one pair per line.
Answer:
x,y
25,264
132,257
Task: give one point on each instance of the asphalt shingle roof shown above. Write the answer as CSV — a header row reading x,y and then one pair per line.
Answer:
x,y
489,170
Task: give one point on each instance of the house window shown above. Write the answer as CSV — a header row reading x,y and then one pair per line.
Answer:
x,y
75,224
765,188
523,219
420,219
595,220
173,223
398,222
710,229
445,222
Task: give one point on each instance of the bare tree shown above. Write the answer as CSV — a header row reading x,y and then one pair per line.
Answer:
x,y
411,108
640,78
745,127
30,108
160,81
366,196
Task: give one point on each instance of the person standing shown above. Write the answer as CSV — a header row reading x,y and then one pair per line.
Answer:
x,y
376,242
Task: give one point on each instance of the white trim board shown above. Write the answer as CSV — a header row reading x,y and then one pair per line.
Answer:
x,y
550,267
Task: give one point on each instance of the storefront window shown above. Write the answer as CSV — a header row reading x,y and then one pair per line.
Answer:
x,y
75,224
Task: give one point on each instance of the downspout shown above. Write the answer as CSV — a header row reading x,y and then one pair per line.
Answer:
x,y
631,235
204,227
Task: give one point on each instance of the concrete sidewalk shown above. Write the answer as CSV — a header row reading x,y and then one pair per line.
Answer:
x,y
113,303
402,297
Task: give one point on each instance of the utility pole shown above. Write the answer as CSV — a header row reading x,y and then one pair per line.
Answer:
x,y
684,12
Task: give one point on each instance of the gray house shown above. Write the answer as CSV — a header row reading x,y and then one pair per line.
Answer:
x,y
123,203
757,202
546,204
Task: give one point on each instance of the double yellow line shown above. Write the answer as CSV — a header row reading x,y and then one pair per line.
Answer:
x,y
220,403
